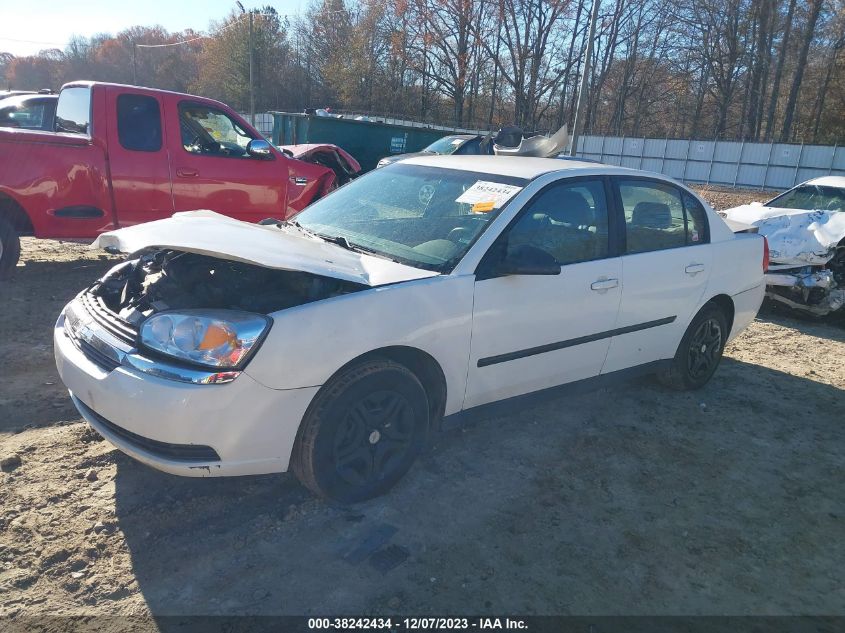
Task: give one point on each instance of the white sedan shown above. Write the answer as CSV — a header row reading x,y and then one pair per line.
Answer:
x,y
805,229
334,344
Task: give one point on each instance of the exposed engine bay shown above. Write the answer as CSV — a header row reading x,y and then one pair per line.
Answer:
x,y
167,279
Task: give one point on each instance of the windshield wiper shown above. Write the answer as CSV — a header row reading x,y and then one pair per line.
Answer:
x,y
343,242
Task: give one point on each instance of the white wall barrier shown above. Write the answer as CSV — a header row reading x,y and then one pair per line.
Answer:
x,y
729,163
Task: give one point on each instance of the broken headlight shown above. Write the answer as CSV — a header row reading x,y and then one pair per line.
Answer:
x,y
213,338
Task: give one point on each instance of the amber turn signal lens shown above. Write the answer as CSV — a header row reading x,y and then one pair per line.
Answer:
x,y
217,335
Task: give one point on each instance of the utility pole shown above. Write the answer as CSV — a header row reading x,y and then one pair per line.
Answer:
x,y
588,53
251,82
251,55
134,67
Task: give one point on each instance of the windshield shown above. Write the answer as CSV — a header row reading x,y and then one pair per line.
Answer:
x,y
446,145
811,197
421,216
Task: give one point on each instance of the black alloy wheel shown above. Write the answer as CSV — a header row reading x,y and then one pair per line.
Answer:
x,y
705,349
699,352
362,432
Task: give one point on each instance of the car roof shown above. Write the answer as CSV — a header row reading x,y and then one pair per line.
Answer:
x,y
828,181
19,99
518,166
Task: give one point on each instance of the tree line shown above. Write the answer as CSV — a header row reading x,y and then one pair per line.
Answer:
x,y
755,70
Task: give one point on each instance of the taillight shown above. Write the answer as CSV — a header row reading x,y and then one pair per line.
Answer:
x,y
765,255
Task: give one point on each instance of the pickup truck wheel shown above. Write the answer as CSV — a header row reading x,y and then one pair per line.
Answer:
x,y
700,351
362,432
10,249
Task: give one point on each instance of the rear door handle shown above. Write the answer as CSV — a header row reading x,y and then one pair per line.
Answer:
x,y
187,173
604,284
694,269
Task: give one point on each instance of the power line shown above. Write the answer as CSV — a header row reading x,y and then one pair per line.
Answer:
x,y
12,39
199,37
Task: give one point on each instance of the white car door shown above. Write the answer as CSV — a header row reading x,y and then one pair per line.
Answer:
x,y
533,331
666,266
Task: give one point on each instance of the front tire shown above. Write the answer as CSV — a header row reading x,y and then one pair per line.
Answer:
x,y
362,432
699,352
10,249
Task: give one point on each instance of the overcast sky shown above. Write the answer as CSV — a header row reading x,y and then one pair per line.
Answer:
x,y
27,27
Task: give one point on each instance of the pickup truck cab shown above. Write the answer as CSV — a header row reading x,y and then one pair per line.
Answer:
x,y
121,155
435,286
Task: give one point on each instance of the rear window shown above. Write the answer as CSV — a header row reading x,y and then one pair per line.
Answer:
x,y
73,114
139,123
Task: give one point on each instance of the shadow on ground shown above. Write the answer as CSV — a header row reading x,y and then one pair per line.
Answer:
x,y
634,500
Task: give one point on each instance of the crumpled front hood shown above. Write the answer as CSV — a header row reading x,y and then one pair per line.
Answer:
x,y
796,237
286,248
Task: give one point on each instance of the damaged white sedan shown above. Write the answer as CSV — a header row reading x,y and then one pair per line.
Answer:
x,y
805,227
334,344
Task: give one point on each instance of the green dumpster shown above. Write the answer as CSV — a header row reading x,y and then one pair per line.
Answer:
x,y
367,141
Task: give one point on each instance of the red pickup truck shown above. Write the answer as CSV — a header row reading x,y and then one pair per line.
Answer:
x,y
122,155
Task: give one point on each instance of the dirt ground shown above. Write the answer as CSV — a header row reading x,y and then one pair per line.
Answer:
x,y
632,500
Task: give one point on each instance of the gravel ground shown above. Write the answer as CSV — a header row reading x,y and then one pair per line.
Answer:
x,y
635,500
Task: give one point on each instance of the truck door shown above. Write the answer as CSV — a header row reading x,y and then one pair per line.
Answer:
x,y
139,162
213,170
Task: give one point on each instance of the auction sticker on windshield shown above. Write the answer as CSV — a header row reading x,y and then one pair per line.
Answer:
x,y
484,192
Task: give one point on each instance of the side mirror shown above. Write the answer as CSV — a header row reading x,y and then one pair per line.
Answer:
x,y
527,260
259,148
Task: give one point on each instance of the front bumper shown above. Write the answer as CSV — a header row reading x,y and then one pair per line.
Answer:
x,y
809,289
168,424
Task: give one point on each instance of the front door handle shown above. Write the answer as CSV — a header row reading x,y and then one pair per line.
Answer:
x,y
694,269
185,172
604,284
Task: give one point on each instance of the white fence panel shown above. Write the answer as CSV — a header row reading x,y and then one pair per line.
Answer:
x,y
731,163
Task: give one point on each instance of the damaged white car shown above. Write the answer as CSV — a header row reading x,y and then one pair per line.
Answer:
x,y
334,344
805,227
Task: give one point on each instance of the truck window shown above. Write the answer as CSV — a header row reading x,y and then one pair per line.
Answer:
x,y
209,131
139,123
73,114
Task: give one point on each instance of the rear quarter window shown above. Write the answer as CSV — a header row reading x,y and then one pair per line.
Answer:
x,y
139,123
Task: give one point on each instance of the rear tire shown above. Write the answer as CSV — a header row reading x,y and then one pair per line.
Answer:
x,y
362,432
10,249
699,352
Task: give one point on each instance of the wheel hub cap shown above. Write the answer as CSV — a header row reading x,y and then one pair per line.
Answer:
x,y
374,437
704,348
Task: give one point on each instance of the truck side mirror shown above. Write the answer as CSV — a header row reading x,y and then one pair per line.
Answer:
x,y
259,148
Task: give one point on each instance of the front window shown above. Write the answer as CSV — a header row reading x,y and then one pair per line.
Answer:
x,y
568,220
211,132
420,216
445,145
811,198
